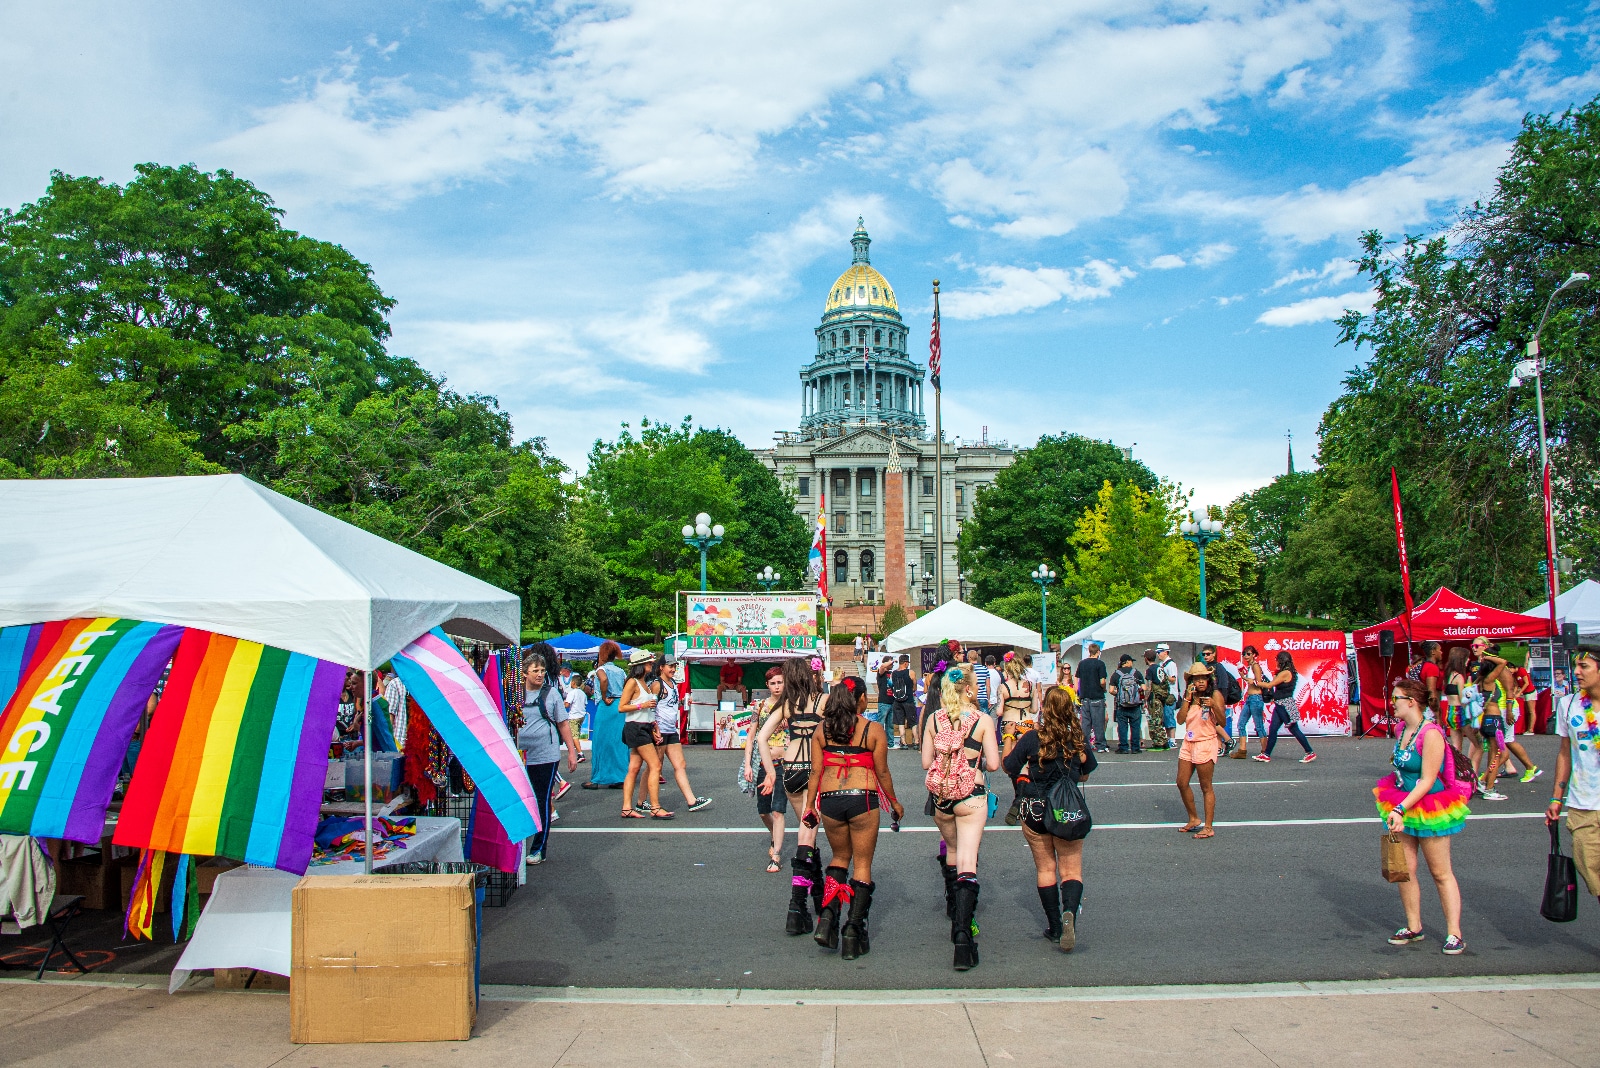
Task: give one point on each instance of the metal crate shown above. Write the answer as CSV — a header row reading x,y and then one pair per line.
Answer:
x,y
499,888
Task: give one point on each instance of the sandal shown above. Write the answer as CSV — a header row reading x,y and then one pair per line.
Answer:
x,y
1206,834
630,814
772,863
661,814
1191,828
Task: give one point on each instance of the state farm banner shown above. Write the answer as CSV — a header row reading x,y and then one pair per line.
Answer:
x,y
751,622
1323,688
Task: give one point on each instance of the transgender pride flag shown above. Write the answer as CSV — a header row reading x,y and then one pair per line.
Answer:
x,y
467,717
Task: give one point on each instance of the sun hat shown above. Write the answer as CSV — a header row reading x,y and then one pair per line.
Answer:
x,y
641,656
1200,668
1163,647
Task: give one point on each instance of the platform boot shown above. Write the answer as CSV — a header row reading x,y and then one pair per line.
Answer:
x,y
1071,900
964,928
948,870
836,893
853,939
799,919
816,880
1050,899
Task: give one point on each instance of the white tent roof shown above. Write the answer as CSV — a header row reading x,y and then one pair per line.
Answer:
x,y
1147,621
1580,605
965,623
224,554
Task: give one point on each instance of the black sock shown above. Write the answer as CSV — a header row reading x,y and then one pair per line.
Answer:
x,y
1050,898
1071,896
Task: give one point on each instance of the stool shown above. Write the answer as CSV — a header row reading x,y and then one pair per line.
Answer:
x,y
64,908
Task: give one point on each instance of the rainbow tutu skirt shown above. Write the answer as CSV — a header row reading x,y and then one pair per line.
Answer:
x,y
1441,813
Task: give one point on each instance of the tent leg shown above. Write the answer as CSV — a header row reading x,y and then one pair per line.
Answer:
x,y
366,748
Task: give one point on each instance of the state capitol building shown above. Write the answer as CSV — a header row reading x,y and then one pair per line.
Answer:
x,y
861,391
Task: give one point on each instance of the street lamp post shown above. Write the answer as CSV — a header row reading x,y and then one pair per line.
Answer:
x,y
702,535
1202,532
768,579
962,579
927,589
1042,577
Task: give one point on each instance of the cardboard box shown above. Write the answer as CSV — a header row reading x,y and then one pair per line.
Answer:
x,y
383,958
97,882
248,979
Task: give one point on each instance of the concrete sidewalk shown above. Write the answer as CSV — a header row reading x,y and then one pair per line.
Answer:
x,y
1540,1020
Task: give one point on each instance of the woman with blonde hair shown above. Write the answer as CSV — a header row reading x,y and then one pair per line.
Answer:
x,y
1016,701
957,746
1038,759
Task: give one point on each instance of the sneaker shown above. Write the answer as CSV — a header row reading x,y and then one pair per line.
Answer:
x,y
1308,758
555,814
1453,947
1493,795
565,786
1531,774
643,806
1262,757
700,803
536,857
1405,936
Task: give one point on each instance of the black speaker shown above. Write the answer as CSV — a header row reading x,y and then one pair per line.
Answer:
x,y
1386,643
1569,638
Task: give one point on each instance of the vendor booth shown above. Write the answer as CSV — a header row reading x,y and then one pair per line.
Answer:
x,y
261,606
1145,623
581,646
1579,606
1445,617
729,640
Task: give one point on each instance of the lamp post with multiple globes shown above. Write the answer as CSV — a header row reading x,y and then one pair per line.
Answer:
x,y
702,534
1202,532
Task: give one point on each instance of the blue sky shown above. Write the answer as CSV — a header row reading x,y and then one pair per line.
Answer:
x,y
1142,213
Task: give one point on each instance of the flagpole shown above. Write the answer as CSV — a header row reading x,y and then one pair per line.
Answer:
x,y
938,455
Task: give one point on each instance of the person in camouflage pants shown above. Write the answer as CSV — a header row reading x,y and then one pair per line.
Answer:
x,y
1160,693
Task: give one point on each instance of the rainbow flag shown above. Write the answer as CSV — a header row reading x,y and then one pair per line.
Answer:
x,y
66,726
16,649
235,758
468,718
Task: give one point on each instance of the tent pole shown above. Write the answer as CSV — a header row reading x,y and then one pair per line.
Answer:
x,y
366,748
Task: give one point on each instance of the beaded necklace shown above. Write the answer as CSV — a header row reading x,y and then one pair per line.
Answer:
x,y
1591,726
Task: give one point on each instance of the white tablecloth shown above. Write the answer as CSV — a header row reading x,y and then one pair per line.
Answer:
x,y
247,921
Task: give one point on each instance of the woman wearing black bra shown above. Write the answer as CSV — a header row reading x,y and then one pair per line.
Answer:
x,y
797,715
1285,712
850,780
1040,758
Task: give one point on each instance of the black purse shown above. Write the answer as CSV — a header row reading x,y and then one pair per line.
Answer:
x,y
1560,904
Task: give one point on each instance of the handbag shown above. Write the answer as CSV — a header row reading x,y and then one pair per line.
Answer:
x,y
1560,904
1066,811
1395,869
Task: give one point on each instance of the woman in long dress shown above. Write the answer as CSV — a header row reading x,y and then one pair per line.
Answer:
x,y
610,757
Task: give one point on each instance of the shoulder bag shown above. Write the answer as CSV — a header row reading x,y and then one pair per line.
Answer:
x,y
1560,904
1066,810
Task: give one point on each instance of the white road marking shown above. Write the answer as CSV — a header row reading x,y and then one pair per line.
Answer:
x,y
991,828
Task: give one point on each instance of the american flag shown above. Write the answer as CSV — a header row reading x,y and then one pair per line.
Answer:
x,y
933,341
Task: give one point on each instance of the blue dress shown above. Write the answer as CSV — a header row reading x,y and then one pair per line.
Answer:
x,y
608,755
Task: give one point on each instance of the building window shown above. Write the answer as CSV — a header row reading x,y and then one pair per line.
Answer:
x,y
877,337
805,485
841,566
927,524
841,522
861,292
869,564
866,523
927,563
866,487
861,335
927,485
840,487
961,496
874,292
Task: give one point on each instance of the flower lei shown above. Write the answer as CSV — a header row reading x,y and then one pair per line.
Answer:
x,y
1591,727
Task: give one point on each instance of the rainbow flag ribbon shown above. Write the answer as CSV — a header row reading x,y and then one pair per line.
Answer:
x,y
76,699
467,717
235,758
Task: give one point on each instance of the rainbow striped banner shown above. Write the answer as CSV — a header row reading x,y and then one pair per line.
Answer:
x,y
67,724
467,717
236,755
16,649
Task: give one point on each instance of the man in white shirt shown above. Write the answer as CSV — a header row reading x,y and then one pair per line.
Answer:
x,y
394,695
1168,668
1577,786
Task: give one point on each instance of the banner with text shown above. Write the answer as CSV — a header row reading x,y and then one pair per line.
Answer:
x,y
751,622
1323,687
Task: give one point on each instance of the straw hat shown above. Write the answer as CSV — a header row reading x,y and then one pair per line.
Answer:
x,y
640,656
1200,668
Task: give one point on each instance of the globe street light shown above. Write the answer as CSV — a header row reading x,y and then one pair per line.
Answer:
x,y
702,535
1042,577
961,585
1202,532
768,579
927,589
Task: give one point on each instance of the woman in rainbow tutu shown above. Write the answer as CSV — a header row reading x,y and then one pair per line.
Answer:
x,y
1424,803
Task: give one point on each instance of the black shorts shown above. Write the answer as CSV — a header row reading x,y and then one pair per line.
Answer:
x,y
845,805
777,801
903,714
669,738
638,735
796,777
1489,726
949,807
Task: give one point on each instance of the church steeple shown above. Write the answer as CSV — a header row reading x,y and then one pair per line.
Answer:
x,y
859,241
1290,435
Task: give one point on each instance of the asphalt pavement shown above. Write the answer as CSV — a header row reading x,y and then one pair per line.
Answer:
x,y
1288,891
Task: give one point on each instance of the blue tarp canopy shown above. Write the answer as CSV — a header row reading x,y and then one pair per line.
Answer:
x,y
581,646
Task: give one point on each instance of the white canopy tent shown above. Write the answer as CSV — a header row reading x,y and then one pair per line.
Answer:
x,y
1143,624
965,623
225,554
1580,605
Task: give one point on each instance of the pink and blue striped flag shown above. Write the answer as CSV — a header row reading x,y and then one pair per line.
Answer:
x,y
467,717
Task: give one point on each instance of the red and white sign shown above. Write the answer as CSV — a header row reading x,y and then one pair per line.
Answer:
x,y
1323,688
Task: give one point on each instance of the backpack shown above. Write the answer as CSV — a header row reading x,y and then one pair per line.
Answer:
x,y
1066,812
1228,683
952,777
1160,688
900,687
1128,690
1460,773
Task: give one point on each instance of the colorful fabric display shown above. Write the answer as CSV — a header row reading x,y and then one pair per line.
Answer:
x,y
185,898
16,649
70,717
139,922
340,838
235,758
419,733
464,713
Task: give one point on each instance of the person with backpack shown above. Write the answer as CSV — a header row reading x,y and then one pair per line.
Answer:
x,y
1157,691
1285,709
851,783
543,733
1128,686
1040,758
1226,679
1425,802
1017,716
958,745
1577,785
903,705
1204,721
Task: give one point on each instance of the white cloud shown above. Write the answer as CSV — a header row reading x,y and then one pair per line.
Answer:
x,y
1211,255
1339,269
1317,309
1167,262
1008,290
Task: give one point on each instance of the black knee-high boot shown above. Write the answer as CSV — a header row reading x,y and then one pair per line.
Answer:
x,y
1050,898
949,872
966,933
853,939
799,919
836,891
1071,898
816,879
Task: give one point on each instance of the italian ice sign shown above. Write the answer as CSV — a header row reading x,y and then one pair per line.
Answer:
x,y
751,622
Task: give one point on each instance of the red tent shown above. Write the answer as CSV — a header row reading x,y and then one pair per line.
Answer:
x,y
1445,617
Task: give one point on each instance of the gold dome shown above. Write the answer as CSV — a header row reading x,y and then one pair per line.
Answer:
x,y
861,286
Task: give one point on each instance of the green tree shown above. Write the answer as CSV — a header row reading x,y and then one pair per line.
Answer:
x,y
769,533
894,617
1022,608
1342,561
1266,517
1231,582
1127,548
1028,513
